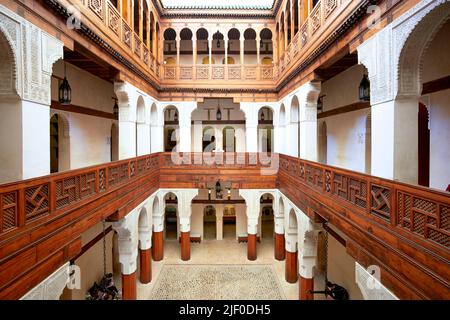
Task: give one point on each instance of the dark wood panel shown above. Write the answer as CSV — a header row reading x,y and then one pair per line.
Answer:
x,y
436,85
349,108
83,110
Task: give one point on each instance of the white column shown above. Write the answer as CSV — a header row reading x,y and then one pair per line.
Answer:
x,y
219,139
258,49
127,119
127,232
185,208
251,126
251,197
210,49
178,42
219,222
143,138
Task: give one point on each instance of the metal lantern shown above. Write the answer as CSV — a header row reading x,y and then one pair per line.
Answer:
x,y
219,114
175,117
262,116
116,109
364,89
320,104
65,92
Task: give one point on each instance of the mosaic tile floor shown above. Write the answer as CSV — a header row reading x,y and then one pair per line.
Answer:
x,y
217,282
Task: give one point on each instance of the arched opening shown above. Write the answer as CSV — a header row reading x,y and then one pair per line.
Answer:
x,y
295,13
208,139
265,130
202,46
114,142
282,37
323,144
229,222
143,225
170,45
156,53
186,47
234,45
267,218
282,129
292,228
229,139
142,129
368,143
266,47
218,47
250,54
59,144
288,22
295,127
171,129
209,223
171,216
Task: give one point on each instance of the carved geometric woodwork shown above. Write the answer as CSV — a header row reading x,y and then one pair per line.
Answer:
x,y
74,189
113,19
8,211
381,203
37,201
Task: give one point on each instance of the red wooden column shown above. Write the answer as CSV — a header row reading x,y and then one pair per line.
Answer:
x,y
305,287
158,245
291,271
129,286
251,247
185,246
280,252
145,260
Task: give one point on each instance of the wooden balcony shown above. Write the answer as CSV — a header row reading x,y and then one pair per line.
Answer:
x,y
263,74
404,229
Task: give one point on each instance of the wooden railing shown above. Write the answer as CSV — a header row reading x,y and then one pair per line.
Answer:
x,y
219,72
407,227
25,202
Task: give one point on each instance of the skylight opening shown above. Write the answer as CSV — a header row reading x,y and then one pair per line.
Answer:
x,y
218,4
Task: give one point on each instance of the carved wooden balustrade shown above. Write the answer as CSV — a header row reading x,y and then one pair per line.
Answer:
x,y
404,229
389,223
219,72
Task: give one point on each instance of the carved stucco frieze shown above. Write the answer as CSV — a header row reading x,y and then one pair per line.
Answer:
x,y
34,54
52,287
392,56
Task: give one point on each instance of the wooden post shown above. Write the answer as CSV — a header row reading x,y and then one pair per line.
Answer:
x,y
145,259
251,247
129,286
291,271
185,246
158,246
280,252
306,285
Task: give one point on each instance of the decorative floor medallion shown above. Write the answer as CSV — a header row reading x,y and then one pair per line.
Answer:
x,y
217,282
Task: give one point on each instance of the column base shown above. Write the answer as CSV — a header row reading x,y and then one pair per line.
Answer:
x,y
305,287
145,260
251,247
129,286
185,246
158,246
280,252
291,270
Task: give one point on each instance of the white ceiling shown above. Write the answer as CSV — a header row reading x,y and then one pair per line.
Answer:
x,y
260,4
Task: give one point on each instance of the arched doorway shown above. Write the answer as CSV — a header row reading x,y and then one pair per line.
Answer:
x,y
250,53
186,47
171,128
142,129
170,45
171,216
267,217
322,140
229,139
209,223
294,133
59,144
234,46
202,46
229,222
265,130
266,47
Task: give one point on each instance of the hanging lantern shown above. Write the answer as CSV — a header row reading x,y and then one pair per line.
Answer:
x,y
116,109
262,116
175,117
364,89
65,92
218,113
218,190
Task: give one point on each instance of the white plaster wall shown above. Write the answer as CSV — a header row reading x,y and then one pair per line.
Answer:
x,y
197,219
436,64
89,136
341,268
346,132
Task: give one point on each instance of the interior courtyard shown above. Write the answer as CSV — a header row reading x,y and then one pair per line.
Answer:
x,y
238,150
